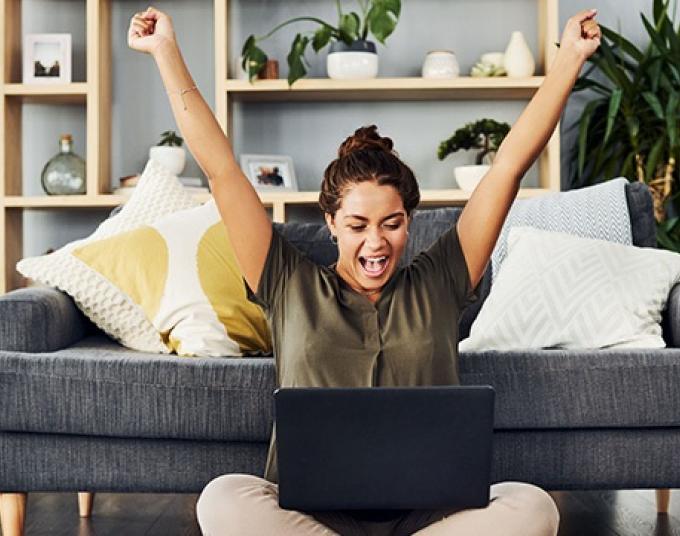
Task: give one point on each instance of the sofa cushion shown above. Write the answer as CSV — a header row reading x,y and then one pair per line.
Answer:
x,y
556,290
612,388
181,271
40,319
599,211
160,275
641,211
157,195
552,459
97,387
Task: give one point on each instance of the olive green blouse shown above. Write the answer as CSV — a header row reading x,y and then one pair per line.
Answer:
x,y
325,334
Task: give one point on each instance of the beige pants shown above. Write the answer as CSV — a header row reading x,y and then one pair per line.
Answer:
x,y
246,505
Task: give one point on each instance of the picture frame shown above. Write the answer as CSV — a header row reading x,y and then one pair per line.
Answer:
x,y
47,58
270,172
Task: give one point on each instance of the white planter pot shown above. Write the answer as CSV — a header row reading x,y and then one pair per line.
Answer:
x,y
468,177
440,64
518,59
173,158
352,62
241,73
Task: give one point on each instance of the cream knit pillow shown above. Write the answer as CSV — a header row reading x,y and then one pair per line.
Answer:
x,y
160,276
158,193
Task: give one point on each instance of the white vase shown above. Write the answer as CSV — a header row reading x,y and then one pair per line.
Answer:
x,y
173,158
352,62
468,177
518,59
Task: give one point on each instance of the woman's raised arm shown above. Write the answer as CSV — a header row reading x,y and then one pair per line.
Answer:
x,y
483,217
247,223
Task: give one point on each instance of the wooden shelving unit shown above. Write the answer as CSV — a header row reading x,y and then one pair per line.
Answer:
x,y
95,94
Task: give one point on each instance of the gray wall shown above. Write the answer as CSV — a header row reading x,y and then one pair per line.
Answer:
x,y
309,132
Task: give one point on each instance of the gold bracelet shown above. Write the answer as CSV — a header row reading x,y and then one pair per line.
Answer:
x,y
181,93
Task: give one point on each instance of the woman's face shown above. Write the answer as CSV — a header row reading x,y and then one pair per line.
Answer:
x,y
371,227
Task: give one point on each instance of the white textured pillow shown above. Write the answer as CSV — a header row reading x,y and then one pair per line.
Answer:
x,y
556,290
157,194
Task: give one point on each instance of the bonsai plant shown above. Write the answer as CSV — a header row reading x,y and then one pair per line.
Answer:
x,y
170,152
630,127
378,17
486,135
171,139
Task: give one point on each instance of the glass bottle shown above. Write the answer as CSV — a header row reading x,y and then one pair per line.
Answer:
x,y
64,174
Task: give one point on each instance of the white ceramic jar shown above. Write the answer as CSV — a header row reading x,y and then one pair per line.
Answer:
x,y
241,73
468,177
440,64
518,59
352,62
173,158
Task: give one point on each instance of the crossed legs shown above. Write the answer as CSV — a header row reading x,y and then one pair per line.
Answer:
x,y
246,505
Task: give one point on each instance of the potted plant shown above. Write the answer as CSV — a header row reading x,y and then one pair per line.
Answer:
x,y
351,55
170,152
630,128
485,134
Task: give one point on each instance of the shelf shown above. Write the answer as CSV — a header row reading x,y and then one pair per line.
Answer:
x,y
48,93
441,197
396,89
428,197
73,201
63,201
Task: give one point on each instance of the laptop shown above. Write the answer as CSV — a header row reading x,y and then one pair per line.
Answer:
x,y
384,448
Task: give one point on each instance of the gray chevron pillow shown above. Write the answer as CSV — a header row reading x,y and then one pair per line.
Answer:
x,y
556,290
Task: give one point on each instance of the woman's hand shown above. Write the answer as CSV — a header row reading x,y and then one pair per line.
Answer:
x,y
582,34
149,30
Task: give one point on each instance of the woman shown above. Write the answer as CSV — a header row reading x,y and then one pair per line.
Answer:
x,y
380,315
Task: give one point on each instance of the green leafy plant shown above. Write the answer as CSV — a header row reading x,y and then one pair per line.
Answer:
x,y
171,139
378,17
485,134
630,127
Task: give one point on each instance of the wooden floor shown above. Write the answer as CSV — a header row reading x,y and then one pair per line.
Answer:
x,y
595,513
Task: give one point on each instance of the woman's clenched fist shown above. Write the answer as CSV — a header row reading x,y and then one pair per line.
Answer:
x,y
582,34
149,30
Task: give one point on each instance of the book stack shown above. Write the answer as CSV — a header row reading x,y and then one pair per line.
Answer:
x,y
193,185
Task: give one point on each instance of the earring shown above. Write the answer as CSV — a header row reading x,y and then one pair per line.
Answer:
x,y
334,239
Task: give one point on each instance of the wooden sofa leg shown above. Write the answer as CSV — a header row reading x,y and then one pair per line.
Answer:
x,y
12,513
85,500
663,497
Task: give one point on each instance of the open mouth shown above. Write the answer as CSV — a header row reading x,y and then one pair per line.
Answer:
x,y
374,266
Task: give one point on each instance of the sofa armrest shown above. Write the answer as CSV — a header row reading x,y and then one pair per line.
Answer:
x,y
671,318
39,319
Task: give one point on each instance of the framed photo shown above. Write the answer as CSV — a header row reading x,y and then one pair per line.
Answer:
x,y
47,59
269,172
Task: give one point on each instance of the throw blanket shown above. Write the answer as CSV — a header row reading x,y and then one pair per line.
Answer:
x,y
599,211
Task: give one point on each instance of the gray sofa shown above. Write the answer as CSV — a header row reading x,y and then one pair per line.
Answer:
x,y
81,413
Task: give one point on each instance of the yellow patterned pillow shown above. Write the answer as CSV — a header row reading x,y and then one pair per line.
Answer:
x,y
159,276
182,272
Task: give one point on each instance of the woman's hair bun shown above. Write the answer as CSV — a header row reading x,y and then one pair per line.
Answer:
x,y
365,139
